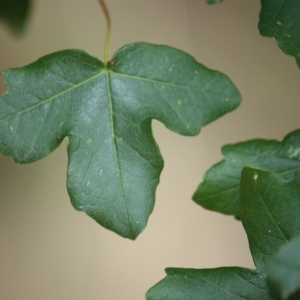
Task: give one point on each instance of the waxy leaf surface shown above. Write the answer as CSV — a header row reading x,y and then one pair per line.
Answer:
x,y
220,189
284,268
270,214
210,284
280,20
106,113
269,210
15,13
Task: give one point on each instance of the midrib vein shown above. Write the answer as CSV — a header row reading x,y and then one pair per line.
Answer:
x,y
51,98
111,110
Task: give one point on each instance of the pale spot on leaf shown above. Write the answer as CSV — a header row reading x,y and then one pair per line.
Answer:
x,y
255,177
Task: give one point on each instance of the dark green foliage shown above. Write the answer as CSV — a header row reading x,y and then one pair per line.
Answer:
x,y
269,210
15,13
283,269
210,284
280,19
219,190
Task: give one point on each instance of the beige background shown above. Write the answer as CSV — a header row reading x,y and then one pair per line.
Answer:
x,y
49,250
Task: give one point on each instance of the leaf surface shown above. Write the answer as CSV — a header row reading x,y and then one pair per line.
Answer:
x,y
220,188
106,113
284,268
210,284
280,20
15,13
269,210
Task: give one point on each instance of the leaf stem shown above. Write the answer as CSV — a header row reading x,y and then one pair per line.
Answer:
x,y
108,30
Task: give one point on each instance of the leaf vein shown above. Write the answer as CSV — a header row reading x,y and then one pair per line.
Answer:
x,y
121,187
50,98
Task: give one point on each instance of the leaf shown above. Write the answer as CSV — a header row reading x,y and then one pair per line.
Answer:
x,y
295,296
15,13
279,19
284,268
219,190
213,1
106,112
269,210
210,284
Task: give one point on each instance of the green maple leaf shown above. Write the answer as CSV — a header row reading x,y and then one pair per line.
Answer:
x,y
269,210
280,19
15,13
220,189
227,283
106,113
213,1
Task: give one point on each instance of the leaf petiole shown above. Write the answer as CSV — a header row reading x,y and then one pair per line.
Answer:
x,y
108,30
